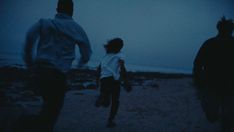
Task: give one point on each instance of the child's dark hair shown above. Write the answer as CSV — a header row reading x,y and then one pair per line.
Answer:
x,y
114,45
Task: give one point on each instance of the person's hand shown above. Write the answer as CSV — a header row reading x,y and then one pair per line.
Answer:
x,y
127,87
28,63
97,83
83,66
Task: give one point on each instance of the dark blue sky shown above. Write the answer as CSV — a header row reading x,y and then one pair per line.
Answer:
x,y
157,33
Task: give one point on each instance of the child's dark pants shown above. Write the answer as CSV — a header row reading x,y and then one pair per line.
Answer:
x,y
110,93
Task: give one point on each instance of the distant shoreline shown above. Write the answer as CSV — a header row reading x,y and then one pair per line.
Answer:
x,y
12,60
130,68
21,73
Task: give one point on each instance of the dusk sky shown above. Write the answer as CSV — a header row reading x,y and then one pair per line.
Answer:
x,y
157,33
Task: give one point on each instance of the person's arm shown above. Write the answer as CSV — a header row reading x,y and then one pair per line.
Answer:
x,y
30,42
98,75
124,77
198,66
84,46
85,53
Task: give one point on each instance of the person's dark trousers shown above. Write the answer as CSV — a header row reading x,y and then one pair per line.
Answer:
x,y
227,115
218,104
51,85
110,93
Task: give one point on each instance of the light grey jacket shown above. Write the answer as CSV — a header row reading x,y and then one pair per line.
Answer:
x,y
55,40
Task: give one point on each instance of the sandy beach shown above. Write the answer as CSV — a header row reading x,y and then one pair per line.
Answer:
x,y
158,103
170,107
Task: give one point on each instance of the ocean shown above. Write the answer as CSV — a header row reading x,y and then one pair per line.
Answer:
x,y
16,60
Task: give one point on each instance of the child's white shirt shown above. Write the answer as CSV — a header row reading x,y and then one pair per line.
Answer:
x,y
110,65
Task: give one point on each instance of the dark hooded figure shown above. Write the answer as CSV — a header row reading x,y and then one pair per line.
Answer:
x,y
214,75
54,41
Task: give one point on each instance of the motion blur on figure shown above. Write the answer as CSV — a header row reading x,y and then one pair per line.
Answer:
x,y
54,41
111,72
214,75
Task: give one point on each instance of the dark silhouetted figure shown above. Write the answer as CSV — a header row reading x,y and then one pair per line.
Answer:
x,y
214,75
111,72
54,41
